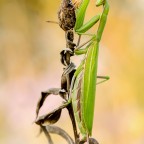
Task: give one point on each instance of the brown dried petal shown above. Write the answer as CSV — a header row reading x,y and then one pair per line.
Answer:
x,y
43,128
60,132
64,82
54,91
51,117
93,141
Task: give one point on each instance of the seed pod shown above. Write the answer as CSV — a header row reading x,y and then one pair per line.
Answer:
x,y
66,15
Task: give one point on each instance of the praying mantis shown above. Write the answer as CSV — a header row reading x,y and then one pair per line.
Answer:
x,y
83,86
81,93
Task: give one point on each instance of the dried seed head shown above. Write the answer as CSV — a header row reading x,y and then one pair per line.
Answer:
x,y
66,15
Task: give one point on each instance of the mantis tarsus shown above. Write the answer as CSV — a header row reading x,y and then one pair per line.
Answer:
x,y
83,86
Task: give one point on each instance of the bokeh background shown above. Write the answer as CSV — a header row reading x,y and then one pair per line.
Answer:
x,y
29,64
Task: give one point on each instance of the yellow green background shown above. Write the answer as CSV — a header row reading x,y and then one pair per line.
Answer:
x,y
29,64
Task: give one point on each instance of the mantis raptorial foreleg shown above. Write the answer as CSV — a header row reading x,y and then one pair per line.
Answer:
x,y
103,18
81,28
80,15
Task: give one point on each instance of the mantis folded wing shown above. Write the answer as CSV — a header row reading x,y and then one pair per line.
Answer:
x,y
83,86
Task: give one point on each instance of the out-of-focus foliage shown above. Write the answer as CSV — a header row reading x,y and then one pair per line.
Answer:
x,y
29,64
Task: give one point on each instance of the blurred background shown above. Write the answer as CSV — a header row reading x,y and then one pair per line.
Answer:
x,y
29,64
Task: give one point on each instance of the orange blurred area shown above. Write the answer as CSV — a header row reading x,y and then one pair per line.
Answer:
x,y
30,63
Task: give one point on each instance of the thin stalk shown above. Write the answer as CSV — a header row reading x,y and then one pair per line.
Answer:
x,y
71,114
